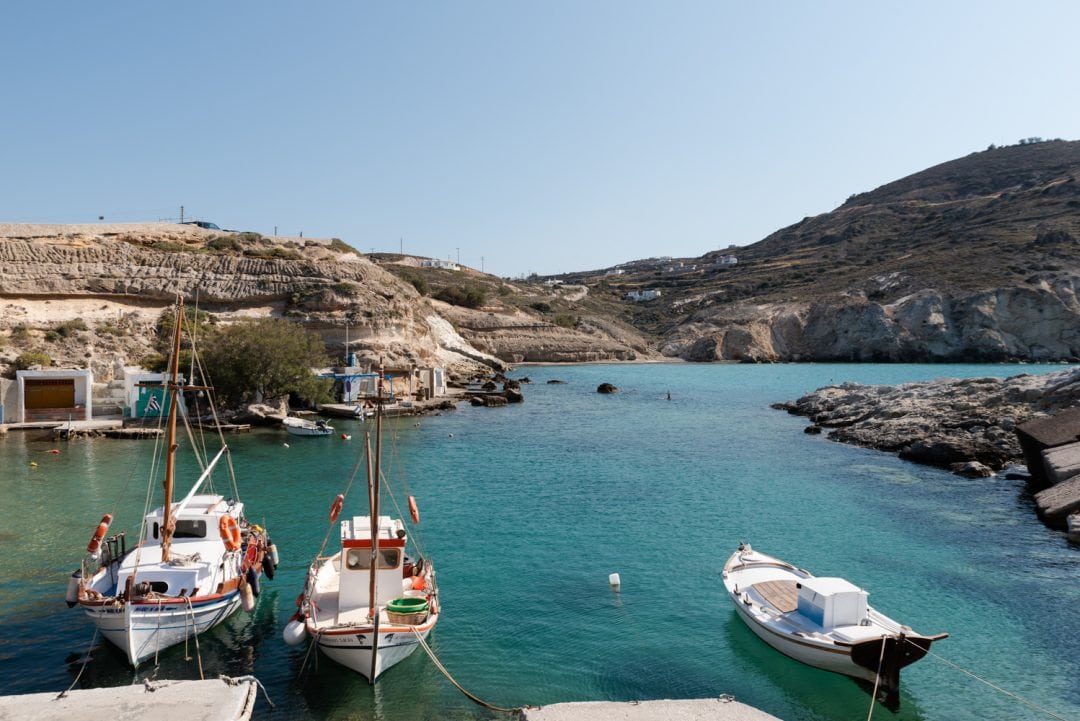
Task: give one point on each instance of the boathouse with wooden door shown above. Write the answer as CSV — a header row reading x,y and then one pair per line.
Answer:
x,y
54,395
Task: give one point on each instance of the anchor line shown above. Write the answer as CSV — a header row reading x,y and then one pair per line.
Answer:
x,y
877,679
459,687
82,667
992,685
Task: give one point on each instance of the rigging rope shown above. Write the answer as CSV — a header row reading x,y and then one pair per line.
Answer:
x,y
459,687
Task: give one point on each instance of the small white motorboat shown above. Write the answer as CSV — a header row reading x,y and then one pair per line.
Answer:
x,y
305,427
823,622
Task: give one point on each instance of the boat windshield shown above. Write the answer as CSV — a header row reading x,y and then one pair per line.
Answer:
x,y
359,559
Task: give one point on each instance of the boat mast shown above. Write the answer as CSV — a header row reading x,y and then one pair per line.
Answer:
x,y
167,521
373,494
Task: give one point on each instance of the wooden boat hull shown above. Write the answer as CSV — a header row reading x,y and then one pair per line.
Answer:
x,y
871,648
352,647
142,630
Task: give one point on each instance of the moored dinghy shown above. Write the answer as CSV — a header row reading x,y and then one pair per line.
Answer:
x,y
823,622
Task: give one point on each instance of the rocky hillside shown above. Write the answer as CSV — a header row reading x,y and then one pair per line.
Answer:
x,y
974,259
91,296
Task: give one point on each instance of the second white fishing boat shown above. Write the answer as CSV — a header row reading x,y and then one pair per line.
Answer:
x,y
369,605
823,622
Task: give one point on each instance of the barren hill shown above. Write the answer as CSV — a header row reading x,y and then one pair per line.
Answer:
x,y
91,296
974,259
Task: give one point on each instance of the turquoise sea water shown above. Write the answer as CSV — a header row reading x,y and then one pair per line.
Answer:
x,y
527,509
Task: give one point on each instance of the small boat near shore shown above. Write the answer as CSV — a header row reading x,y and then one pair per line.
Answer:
x,y
822,622
306,427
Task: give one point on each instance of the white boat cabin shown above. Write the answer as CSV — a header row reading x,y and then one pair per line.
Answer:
x,y
355,581
196,542
832,602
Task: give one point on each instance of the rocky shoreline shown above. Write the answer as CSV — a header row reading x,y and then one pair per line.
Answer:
x,y
967,425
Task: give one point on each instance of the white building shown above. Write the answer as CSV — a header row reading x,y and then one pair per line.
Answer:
x,y
640,295
441,264
53,395
728,260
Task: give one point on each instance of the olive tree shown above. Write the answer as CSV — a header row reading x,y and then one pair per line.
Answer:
x,y
255,361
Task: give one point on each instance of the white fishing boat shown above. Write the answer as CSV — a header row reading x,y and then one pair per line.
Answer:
x,y
196,562
368,605
823,622
306,427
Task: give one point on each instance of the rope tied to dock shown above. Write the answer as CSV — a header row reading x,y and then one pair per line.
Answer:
x,y
994,686
438,664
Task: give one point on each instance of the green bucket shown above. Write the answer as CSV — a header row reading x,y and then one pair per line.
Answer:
x,y
408,605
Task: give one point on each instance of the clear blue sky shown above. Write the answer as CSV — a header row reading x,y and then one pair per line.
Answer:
x,y
538,136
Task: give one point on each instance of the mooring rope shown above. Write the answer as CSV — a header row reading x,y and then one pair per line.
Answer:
x,y
195,633
994,686
86,659
459,687
877,680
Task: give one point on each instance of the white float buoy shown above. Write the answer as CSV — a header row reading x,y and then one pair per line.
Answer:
x,y
285,444
294,633
613,579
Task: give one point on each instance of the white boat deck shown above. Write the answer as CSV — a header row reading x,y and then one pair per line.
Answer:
x,y
703,709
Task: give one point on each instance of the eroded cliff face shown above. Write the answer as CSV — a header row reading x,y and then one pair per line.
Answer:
x,y
118,279
517,337
1039,322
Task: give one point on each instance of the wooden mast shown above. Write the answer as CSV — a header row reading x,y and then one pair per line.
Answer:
x,y
373,494
167,521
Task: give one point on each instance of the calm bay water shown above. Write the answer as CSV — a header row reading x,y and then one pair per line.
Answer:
x,y
527,509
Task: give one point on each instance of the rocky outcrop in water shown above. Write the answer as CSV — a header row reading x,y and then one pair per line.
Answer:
x,y
947,423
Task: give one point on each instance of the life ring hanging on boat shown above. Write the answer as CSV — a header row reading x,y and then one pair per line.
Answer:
x,y
99,533
336,506
230,532
414,512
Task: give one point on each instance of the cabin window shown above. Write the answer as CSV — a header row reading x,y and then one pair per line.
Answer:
x,y
190,529
359,559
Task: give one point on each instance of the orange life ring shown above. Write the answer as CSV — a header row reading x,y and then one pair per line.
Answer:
x,y
230,532
414,512
336,506
99,533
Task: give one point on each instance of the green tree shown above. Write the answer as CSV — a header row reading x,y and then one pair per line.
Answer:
x,y
254,361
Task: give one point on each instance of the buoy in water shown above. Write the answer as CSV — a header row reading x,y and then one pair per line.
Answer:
x,y
451,435
294,633
345,436
613,579
55,451
285,444
33,464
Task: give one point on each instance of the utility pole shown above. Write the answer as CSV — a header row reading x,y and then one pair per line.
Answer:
x,y
401,246
481,264
181,215
459,255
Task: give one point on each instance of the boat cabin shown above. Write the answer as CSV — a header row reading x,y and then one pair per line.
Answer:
x,y
831,602
196,536
355,584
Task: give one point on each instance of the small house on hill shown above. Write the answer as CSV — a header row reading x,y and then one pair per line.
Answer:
x,y
640,295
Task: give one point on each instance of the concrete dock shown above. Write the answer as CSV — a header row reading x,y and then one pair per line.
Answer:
x,y
703,709
224,699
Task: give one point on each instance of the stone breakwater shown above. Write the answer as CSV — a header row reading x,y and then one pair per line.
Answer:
x,y
965,425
